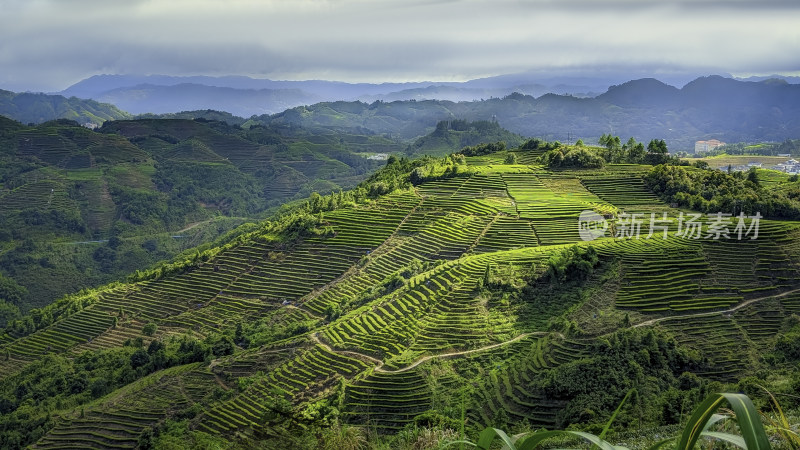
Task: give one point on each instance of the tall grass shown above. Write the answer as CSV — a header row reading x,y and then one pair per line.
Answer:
x,y
753,435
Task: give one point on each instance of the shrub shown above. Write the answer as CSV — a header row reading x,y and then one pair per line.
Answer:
x,y
572,157
573,264
149,329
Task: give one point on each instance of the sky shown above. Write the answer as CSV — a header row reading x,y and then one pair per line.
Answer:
x,y
48,45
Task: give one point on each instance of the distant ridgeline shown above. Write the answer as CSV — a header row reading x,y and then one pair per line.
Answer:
x,y
708,107
37,108
80,207
440,296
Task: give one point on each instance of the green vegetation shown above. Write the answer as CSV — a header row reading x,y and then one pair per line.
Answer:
x,y
753,434
55,382
572,157
715,191
37,108
789,146
451,135
438,297
81,208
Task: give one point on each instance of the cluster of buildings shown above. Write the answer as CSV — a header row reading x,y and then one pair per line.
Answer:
x,y
791,166
704,146
746,167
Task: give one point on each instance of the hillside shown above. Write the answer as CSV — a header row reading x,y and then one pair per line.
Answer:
x,y
79,208
38,108
440,290
451,136
709,107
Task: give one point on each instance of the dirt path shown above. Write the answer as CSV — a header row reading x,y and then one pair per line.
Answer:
x,y
379,367
220,382
380,363
466,352
714,313
196,224
316,339
171,233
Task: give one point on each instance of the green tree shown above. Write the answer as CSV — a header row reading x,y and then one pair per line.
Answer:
x,y
149,329
752,176
8,313
657,146
11,292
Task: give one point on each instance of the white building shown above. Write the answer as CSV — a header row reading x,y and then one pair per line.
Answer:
x,y
704,146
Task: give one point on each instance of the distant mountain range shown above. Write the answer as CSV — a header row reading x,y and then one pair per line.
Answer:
x,y
245,96
707,107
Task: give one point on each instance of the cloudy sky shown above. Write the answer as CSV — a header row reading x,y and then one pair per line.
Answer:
x,y
47,45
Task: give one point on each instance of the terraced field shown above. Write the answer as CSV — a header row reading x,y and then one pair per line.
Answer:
x,y
399,313
42,195
119,421
620,190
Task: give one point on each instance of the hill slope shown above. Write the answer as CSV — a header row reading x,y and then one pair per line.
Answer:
x,y
452,136
80,208
462,295
38,108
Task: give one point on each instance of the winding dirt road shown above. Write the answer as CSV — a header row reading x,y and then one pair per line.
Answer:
x,y
380,363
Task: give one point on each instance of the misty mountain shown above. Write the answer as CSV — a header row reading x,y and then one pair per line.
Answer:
x,y
644,92
38,108
164,94
99,85
148,98
708,107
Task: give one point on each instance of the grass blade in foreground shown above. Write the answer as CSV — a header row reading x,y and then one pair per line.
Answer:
x,y
746,416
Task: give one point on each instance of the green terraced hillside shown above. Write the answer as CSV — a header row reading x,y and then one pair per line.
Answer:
x,y
79,208
435,305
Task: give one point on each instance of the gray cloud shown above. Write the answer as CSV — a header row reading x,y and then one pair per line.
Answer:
x,y
47,45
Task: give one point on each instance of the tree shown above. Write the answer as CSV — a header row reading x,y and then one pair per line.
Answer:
x,y
139,358
657,146
752,176
572,157
10,291
223,346
150,245
114,242
635,151
8,313
149,329
511,158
